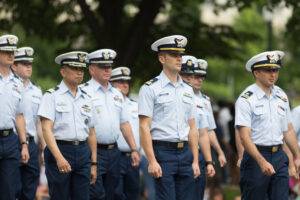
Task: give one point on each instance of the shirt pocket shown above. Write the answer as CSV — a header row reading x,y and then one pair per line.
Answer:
x,y
63,110
281,110
165,105
98,105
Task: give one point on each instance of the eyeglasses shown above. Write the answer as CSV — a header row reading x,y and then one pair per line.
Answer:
x,y
270,70
200,76
81,69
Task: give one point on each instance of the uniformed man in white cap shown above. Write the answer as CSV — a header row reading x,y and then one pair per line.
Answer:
x,y
66,116
11,120
128,188
167,124
111,116
262,114
200,71
29,173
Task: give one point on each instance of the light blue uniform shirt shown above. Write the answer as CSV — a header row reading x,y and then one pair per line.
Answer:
x,y
296,121
201,115
109,111
266,116
208,111
11,100
72,116
169,105
32,99
132,108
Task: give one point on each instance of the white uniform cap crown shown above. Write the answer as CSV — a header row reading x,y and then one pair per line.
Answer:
x,y
102,56
73,59
170,43
8,42
187,64
270,59
201,67
24,54
120,73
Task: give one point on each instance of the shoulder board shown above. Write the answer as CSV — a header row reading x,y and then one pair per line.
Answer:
x,y
16,76
52,89
247,94
151,81
86,84
205,97
132,100
284,99
84,92
187,83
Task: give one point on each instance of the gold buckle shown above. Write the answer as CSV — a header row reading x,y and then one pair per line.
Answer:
x,y
180,145
5,133
110,146
274,149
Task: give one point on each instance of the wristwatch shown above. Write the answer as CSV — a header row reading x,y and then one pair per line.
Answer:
x,y
94,163
209,163
134,150
25,142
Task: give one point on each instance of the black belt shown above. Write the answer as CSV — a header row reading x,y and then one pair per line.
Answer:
x,y
76,142
6,132
128,154
173,145
30,139
272,149
107,146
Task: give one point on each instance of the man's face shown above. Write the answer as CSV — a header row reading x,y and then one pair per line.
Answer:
x,y
122,85
266,76
7,58
171,60
197,81
72,75
23,69
100,73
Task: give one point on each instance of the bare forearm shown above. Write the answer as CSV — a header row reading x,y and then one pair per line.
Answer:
x,y
40,134
291,141
288,153
21,127
214,142
128,135
92,141
250,146
146,142
205,145
50,140
239,145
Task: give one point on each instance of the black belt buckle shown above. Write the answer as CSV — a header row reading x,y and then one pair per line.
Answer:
x,y
180,145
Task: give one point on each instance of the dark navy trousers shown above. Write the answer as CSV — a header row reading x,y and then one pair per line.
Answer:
x,y
201,180
177,181
74,185
129,182
29,174
9,166
256,186
108,174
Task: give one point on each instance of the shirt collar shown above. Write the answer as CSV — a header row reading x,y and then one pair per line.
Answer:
x,y
96,85
63,89
260,93
165,80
